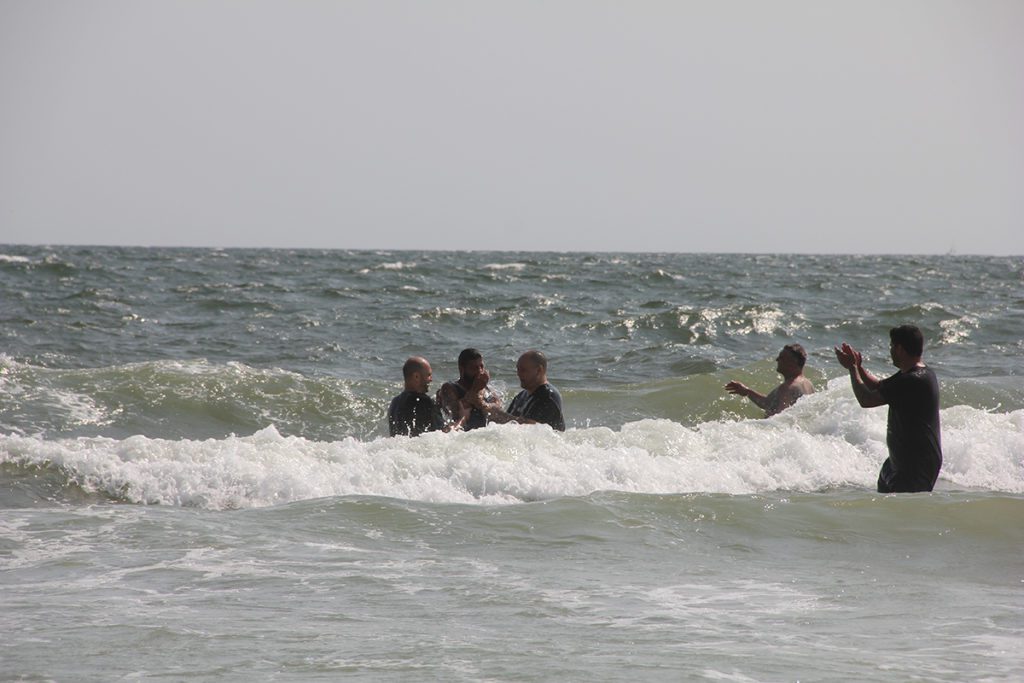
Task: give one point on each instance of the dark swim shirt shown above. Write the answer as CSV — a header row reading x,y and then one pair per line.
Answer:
x,y
913,434
544,405
412,413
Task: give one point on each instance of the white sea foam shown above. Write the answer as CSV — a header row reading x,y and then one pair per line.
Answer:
x,y
12,258
825,441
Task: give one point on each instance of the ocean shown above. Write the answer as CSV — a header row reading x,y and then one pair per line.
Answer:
x,y
196,482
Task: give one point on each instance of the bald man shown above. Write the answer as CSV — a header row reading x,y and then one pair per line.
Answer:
x,y
538,403
413,412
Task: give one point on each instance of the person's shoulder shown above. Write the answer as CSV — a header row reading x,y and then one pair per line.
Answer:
x,y
894,377
926,376
412,398
416,397
520,396
549,390
887,383
919,373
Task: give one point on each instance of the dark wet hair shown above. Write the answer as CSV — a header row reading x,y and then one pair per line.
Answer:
x,y
468,356
798,352
411,366
909,337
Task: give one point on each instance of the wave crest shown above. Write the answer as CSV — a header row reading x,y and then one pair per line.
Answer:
x,y
814,449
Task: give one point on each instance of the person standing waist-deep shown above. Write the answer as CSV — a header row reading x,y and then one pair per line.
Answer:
x,y
913,435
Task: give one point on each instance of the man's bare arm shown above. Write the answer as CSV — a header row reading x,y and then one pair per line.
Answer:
x,y
496,414
865,385
869,380
494,411
759,399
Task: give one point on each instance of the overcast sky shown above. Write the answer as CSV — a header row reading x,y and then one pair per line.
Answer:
x,y
814,127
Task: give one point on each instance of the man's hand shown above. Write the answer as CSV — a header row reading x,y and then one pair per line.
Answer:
x,y
475,399
847,356
480,382
738,388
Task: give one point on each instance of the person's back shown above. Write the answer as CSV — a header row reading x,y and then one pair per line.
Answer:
x,y
913,434
786,394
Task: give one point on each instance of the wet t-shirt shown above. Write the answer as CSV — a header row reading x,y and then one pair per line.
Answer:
x,y
412,413
544,405
913,434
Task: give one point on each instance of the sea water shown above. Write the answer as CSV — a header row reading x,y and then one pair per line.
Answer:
x,y
195,482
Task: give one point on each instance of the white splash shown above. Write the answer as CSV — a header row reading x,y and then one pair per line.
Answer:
x,y
825,441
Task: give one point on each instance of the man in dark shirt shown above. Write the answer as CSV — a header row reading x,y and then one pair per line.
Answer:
x,y
413,412
538,403
912,394
472,380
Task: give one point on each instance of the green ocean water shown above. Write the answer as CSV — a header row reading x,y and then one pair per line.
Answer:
x,y
195,482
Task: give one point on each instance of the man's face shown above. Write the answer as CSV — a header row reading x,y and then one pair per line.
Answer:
x,y
786,362
424,378
471,369
896,353
528,373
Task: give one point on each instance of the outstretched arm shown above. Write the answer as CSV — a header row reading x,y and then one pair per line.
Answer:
x,y
490,405
496,414
759,399
865,385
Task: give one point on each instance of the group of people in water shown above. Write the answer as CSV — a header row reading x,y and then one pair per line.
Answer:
x,y
468,402
912,395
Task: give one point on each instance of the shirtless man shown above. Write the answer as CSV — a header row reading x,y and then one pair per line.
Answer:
x,y
472,381
790,364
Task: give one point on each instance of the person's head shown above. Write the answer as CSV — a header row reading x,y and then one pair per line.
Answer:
x,y
906,344
532,369
471,362
791,360
417,374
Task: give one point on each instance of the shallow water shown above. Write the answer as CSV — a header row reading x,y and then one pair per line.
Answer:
x,y
840,585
